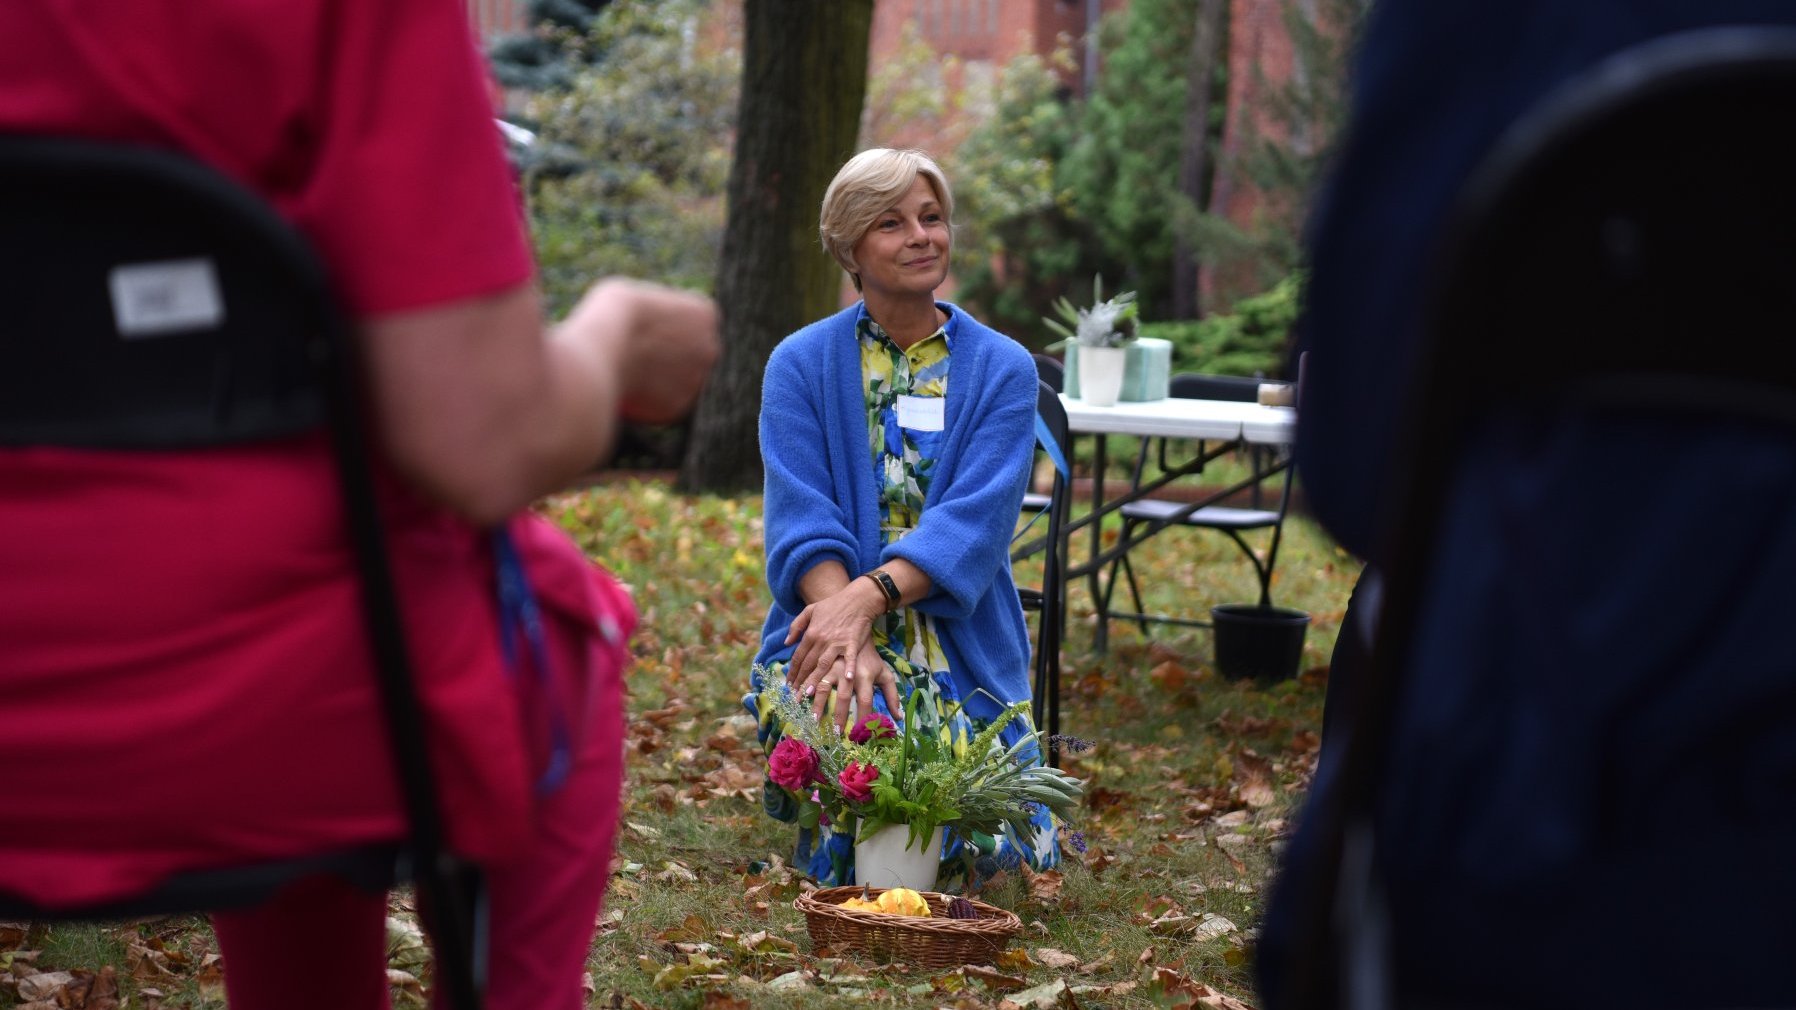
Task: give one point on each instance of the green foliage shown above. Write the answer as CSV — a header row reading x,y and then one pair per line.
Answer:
x,y
1019,241
554,50
908,96
1124,168
1254,339
926,771
649,127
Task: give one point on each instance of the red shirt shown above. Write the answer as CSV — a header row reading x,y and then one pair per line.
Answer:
x,y
217,692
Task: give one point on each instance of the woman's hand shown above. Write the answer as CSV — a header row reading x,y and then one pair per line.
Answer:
x,y
832,634
871,674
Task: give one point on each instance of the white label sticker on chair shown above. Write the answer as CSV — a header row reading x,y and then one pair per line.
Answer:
x,y
173,296
921,413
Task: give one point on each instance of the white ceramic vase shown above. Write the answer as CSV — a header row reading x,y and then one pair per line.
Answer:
x,y
1101,374
882,860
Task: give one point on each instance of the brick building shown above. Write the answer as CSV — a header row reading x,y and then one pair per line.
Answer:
x,y
493,18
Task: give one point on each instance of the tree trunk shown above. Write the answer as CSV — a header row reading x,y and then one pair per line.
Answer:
x,y
804,78
1194,151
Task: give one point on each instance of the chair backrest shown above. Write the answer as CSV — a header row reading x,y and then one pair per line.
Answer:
x,y
1628,245
1050,370
1589,250
1201,386
153,303
1053,432
157,307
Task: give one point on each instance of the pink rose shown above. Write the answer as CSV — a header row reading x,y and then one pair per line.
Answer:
x,y
876,726
856,781
793,764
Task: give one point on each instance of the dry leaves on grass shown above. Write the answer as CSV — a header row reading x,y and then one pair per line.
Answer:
x,y
76,989
1176,991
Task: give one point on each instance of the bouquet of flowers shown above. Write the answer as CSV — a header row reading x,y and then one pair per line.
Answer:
x,y
921,772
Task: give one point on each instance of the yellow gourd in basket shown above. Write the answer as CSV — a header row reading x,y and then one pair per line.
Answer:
x,y
897,901
903,901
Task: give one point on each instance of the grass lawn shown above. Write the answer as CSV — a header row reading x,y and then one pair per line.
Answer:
x,y
1190,785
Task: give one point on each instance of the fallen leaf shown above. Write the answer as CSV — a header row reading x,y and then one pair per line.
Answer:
x,y
672,870
765,943
1091,966
992,979
693,927
1176,991
715,1000
406,987
1254,778
790,980
1044,886
1056,959
1170,677
1042,997
43,985
1210,926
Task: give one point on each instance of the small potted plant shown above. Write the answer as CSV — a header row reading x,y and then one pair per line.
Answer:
x,y
1101,335
902,784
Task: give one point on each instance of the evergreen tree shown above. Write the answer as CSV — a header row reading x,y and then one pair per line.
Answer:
x,y
1124,168
554,49
648,131
1020,242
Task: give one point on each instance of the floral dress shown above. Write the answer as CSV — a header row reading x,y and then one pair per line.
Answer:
x,y
903,461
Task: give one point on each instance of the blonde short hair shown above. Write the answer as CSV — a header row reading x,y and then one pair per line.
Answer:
x,y
866,187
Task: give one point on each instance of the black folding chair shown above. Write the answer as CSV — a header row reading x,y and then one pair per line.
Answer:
x,y
1230,520
1050,600
153,304
1639,205
1050,372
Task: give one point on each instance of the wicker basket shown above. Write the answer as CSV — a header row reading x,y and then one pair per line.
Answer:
x,y
932,944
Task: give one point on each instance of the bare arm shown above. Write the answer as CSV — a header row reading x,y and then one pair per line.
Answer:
x,y
484,410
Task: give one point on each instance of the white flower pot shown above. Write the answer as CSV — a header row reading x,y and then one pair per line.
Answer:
x,y
1101,374
882,860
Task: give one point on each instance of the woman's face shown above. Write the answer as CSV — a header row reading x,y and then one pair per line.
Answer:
x,y
905,253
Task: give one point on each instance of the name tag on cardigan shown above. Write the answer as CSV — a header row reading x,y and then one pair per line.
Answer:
x,y
920,413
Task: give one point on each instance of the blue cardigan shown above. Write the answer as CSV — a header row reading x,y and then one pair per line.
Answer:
x,y
822,497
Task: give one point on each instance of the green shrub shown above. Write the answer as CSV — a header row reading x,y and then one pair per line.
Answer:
x,y
1254,339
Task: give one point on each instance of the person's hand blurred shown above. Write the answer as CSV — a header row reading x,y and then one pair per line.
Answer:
x,y
662,341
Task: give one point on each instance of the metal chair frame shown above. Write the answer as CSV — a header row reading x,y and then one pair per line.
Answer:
x,y
1229,520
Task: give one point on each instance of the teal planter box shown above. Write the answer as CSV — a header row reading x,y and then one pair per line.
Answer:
x,y
1146,371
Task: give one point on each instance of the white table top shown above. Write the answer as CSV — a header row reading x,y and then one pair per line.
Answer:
x,y
1176,417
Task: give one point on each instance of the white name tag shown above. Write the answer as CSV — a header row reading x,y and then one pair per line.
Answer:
x,y
173,296
921,413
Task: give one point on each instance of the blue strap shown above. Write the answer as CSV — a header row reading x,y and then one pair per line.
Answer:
x,y
519,612
1046,439
1051,446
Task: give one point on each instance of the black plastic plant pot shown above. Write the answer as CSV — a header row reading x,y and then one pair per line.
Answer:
x,y
1259,643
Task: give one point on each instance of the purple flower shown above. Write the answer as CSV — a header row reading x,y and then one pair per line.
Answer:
x,y
1077,841
793,764
876,726
857,780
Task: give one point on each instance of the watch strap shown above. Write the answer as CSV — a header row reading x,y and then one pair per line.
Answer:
x,y
883,580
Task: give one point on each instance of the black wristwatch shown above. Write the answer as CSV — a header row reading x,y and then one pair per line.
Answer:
x,y
886,586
